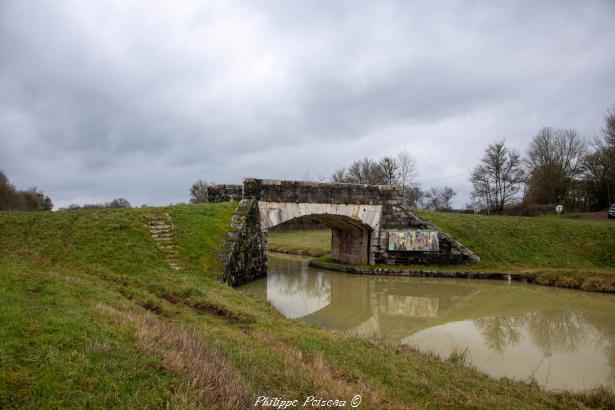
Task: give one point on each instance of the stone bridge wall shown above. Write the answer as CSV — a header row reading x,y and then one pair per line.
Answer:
x,y
224,193
360,217
267,190
245,247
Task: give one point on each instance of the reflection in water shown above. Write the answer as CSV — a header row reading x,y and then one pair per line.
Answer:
x,y
562,338
551,330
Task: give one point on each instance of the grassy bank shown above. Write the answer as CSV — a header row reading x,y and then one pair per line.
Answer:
x,y
91,316
547,250
312,242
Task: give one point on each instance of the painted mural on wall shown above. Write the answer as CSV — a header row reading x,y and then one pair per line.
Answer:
x,y
416,240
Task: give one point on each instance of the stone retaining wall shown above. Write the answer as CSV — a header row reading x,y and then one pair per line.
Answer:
x,y
245,247
423,273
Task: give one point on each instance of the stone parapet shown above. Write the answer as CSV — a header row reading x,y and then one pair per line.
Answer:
x,y
318,192
224,193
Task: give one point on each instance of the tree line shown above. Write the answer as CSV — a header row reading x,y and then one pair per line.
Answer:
x,y
560,167
116,203
397,170
33,199
12,199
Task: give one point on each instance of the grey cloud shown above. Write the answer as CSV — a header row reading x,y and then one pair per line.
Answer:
x,y
140,99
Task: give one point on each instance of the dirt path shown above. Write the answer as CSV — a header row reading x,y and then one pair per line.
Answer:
x,y
595,216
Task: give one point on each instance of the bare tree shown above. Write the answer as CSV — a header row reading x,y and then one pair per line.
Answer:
x,y
365,171
497,178
554,163
389,170
398,170
413,195
198,192
119,203
438,199
8,193
446,196
32,199
339,176
599,166
609,129
406,172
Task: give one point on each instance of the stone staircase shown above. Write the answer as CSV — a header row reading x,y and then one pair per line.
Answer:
x,y
162,231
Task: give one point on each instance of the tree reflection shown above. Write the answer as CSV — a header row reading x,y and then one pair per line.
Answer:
x,y
557,331
605,339
551,331
500,331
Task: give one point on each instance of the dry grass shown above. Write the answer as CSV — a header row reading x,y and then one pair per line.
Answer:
x,y
334,382
459,355
186,354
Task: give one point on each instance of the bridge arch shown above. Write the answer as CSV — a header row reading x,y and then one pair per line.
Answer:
x,y
352,225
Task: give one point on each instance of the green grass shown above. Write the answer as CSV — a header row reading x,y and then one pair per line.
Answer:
x,y
313,242
522,243
91,316
549,250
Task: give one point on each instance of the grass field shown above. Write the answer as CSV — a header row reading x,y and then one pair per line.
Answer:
x,y
559,251
312,242
92,317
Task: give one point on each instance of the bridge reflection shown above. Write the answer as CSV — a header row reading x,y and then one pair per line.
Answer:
x,y
511,329
360,305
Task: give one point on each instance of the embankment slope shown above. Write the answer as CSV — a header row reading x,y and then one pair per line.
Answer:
x,y
92,316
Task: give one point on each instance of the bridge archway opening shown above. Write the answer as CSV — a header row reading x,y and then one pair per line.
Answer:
x,y
350,238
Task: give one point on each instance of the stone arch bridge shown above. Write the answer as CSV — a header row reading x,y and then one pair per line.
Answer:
x,y
368,223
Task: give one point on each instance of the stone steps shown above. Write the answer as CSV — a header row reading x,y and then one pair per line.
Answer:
x,y
161,230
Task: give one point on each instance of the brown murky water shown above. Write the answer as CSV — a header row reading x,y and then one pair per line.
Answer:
x,y
565,339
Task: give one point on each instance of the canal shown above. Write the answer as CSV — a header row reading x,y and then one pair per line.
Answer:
x,y
564,339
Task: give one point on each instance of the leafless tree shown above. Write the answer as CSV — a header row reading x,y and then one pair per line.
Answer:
x,y
339,175
119,203
32,199
599,165
389,170
438,199
198,192
446,196
413,195
406,172
365,171
8,193
609,129
497,179
398,170
554,163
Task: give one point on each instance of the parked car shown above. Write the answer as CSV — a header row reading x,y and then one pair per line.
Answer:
x,y
612,211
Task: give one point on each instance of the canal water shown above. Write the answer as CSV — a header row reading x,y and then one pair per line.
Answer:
x,y
564,339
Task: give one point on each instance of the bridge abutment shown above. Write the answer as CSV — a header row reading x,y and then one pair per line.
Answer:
x,y
350,245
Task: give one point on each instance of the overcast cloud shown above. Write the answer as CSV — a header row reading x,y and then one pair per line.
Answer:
x,y
134,99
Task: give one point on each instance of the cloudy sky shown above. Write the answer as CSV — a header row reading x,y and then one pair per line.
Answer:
x,y
134,99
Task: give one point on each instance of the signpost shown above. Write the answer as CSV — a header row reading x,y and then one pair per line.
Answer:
x,y
559,209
